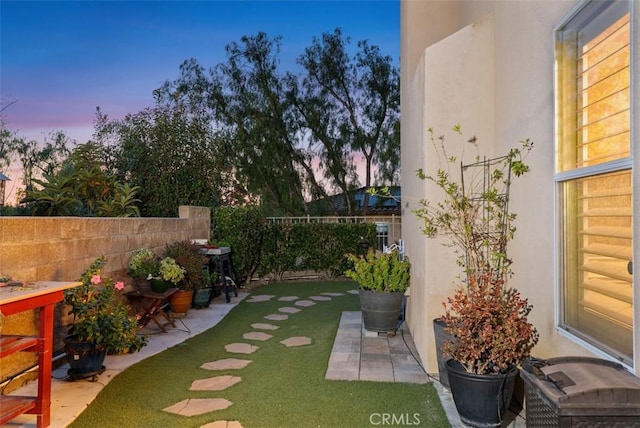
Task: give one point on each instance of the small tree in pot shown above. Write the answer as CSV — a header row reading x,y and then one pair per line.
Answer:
x,y
383,279
486,320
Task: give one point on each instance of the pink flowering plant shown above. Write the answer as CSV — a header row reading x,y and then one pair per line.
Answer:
x,y
99,315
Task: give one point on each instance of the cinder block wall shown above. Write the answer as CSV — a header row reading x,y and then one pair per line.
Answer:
x,y
61,248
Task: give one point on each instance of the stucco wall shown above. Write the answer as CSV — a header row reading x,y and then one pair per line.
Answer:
x,y
61,248
490,67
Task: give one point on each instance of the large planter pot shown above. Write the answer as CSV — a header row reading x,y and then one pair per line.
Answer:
x,y
380,311
441,336
180,302
202,297
85,360
481,400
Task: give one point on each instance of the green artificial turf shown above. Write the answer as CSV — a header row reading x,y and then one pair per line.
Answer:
x,y
282,387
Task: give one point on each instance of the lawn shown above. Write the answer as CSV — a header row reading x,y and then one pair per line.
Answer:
x,y
282,387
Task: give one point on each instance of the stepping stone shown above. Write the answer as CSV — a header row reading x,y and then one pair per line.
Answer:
x,y
320,298
257,335
223,424
289,310
216,383
226,364
261,298
304,303
277,317
241,348
333,294
296,341
198,406
353,291
264,326
288,298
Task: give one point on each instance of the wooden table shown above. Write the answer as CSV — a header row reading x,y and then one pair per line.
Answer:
x,y
41,296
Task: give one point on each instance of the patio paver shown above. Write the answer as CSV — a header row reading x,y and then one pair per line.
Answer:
x,y
241,348
276,317
226,364
257,335
264,326
288,298
198,406
216,383
289,310
294,341
304,303
223,424
320,298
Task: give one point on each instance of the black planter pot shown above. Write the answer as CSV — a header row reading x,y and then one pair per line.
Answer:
x,y
440,337
481,400
381,311
85,360
159,285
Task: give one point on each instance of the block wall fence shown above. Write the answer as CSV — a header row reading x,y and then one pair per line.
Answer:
x,y
61,248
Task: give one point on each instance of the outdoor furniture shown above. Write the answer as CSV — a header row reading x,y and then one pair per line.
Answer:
x,y
220,262
149,306
41,296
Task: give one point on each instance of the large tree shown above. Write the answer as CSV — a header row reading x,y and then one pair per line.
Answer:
x,y
284,128
171,153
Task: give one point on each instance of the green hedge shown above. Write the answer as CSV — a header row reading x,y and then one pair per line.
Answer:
x,y
262,247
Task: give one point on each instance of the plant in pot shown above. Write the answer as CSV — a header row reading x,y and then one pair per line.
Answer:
x,y
102,323
474,215
170,273
383,279
187,256
143,265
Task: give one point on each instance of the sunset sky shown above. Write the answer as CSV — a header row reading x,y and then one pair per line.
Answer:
x,y
60,60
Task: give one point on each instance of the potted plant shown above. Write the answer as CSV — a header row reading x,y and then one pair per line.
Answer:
x,y
170,273
383,279
187,256
102,324
143,266
474,214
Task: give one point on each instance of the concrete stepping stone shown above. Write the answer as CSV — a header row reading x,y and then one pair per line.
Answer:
x,y
241,348
198,406
304,303
289,310
332,294
288,298
257,335
226,364
223,424
277,317
296,341
216,383
353,291
264,326
319,298
261,298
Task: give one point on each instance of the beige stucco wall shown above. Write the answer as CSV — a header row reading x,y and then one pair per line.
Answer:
x,y
61,248
489,67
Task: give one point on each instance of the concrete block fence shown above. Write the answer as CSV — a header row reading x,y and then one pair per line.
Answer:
x,y
61,248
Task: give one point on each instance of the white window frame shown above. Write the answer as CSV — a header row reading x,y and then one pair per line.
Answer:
x,y
612,166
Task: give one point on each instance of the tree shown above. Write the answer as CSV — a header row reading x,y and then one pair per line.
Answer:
x,y
282,127
351,105
170,152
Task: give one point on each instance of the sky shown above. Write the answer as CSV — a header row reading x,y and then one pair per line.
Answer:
x,y
59,60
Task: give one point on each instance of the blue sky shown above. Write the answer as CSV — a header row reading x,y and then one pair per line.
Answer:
x,y
59,60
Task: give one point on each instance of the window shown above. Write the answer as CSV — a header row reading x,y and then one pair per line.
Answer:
x,y
593,175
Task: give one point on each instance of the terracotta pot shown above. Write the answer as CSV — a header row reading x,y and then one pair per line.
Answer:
x,y
180,302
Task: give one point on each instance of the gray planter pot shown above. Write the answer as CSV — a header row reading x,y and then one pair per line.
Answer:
x,y
440,337
381,311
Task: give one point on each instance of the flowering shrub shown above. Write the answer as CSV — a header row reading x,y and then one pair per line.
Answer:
x,y
99,316
171,271
143,263
489,322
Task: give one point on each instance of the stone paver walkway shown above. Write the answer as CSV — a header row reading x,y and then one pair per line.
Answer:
x,y
361,355
356,355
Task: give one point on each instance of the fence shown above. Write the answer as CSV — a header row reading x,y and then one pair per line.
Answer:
x,y
388,228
